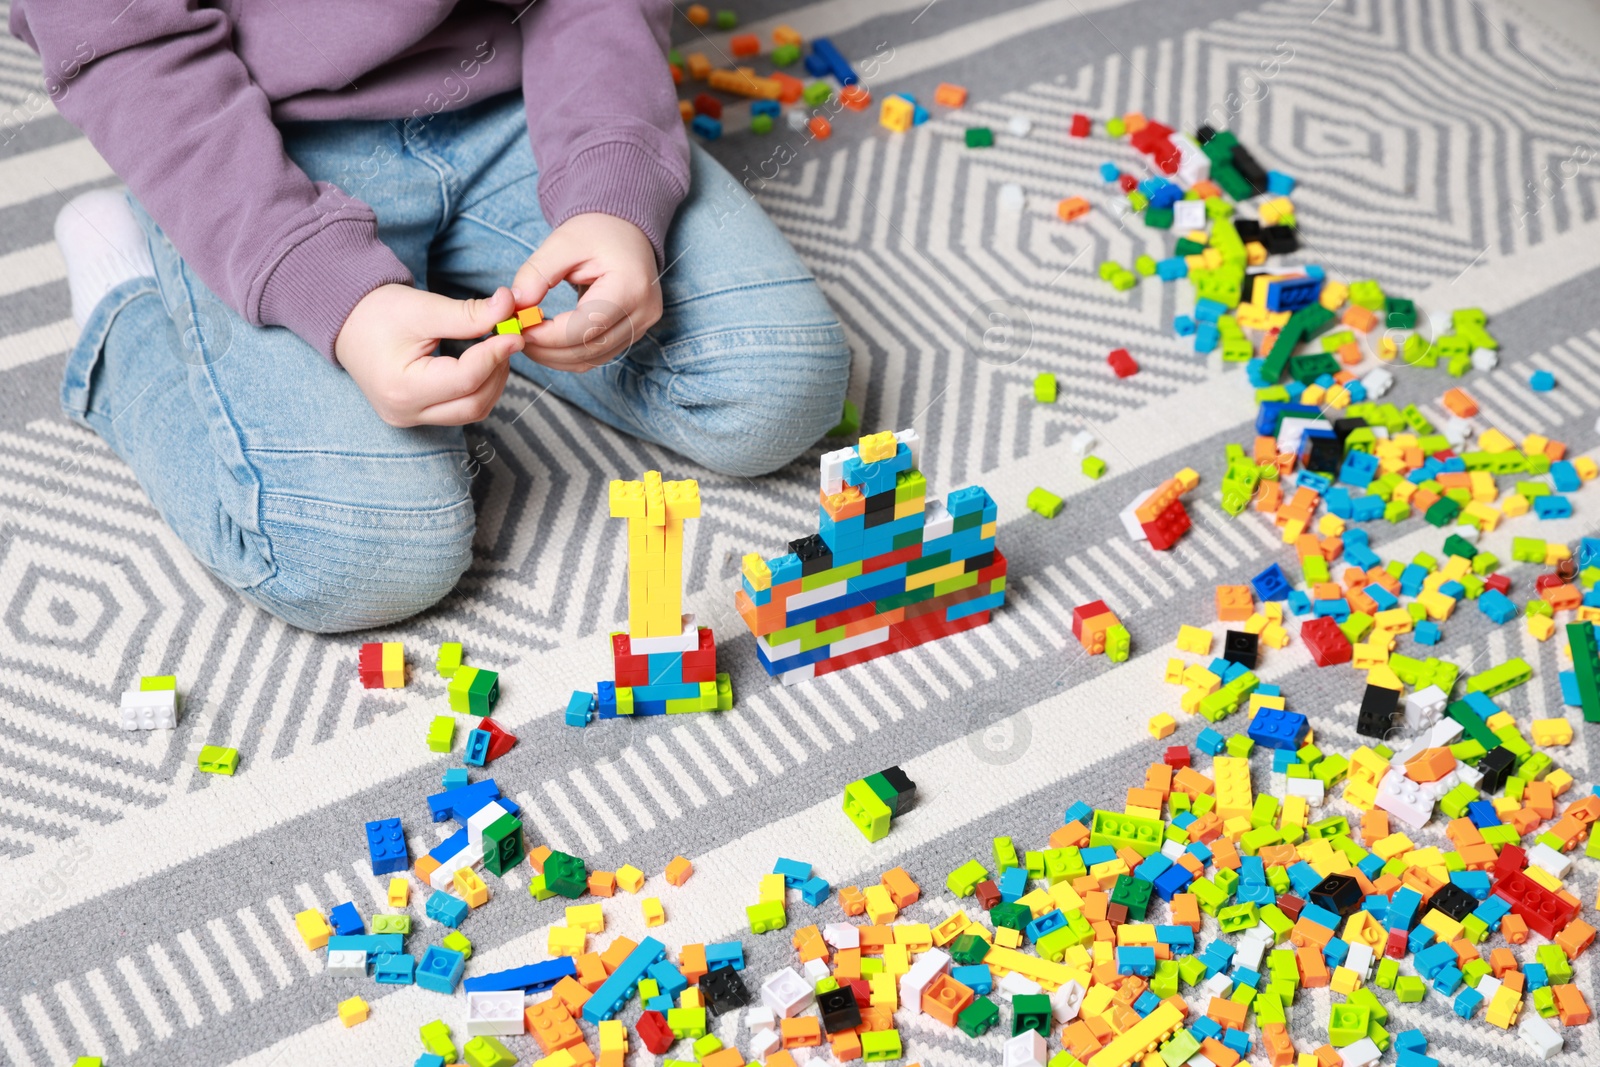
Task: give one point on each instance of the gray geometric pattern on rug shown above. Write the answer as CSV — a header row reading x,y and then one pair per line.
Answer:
x,y
148,908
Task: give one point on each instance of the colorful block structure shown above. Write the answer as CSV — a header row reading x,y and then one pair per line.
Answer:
x,y
664,664
886,570
383,666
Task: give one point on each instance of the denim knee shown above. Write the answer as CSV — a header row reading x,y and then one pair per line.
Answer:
x,y
338,567
763,397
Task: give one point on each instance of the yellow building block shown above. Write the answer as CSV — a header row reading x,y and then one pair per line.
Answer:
x,y
399,892
1194,639
918,937
1006,937
352,1011
1551,731
586,917
1232,775
1542,627
654,914
1344,981
566,941
878,446
1492,440
1162,725
1139,1039
394,665
880,906
630,878
896,959
613,1036
1275,635
470,888
312,928
774,890
1174,674
756,572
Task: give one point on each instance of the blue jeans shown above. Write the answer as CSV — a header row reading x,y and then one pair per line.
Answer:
x,y
269,464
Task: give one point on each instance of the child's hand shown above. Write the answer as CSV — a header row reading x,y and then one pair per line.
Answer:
x,y
388,346
614,260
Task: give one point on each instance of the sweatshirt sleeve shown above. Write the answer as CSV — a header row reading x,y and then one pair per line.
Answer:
x,y
165,99
603,112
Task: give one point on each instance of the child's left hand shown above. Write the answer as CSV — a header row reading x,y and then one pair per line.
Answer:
x,y
614,260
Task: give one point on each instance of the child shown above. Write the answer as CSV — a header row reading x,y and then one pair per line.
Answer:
x,y
318,193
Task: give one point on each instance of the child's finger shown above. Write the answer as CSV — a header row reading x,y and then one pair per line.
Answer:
x,y
437,379
591,334
441,317
474,407
550,263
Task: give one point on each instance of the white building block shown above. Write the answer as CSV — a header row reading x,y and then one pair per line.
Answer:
x,y
928,966
786,993
149,709
1019,125
1363,1053
1027,1049
1016,985
764,1042
760,1018
842,935
1188,215
686,641
1424,707
347,963
495,1014
1539,1036
1546,858
1066,1001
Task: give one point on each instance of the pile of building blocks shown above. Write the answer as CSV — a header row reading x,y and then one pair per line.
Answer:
x,y
874,802
152,706
887,569
1098,630
664,664
382,666
1158,516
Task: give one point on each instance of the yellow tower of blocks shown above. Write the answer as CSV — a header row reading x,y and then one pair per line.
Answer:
x,y
655,511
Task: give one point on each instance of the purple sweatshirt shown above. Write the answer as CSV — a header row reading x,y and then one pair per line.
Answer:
x,y
180,97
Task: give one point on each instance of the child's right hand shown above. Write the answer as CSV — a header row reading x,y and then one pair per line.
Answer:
x,y
389,345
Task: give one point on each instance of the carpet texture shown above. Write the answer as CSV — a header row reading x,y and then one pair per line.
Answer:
x,y
1443,147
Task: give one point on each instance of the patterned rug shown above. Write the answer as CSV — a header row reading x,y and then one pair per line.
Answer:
x,y
1443,147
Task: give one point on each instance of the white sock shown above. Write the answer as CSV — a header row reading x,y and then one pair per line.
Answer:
x,y
103,246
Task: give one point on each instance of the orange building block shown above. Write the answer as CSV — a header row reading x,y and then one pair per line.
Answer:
x,y
944,998
852,900
723,1057
1571,1006
1185,910
949,95
1460,403
1280,1050
1430,765
845,1046
602,883
617,951
855,97
1073,835
1576,936
1359,318
678,871
902,890
821,129
1073,207
570,994
552,1025
692,962
591,972
744,44
801,1032
1234,603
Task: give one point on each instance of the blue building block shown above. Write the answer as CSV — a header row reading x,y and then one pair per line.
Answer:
x,y
455,777
725,954
1210,742
833,62
1109,172
706,127
1271,584
615,991
440,969
345,919
532,978
1237,1040
1272,728
1552,507
1078,812
386,847
975,976
1299,602
579,707
1183,326
1013,883
1564,476
477,750
1358,469
1146,1003
1172,881
1536,974
1279,183
1427,632
1205,1027
1048,922
428,1059
394,969
814,891
1542,381
1172,268
1140,960
446,909
1467,1002
373,945
1411,1041
794,871
770,108
1335,951
667,977
1482,814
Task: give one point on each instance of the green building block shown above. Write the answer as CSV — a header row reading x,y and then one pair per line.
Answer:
x,y
391,924
449,659
864,808
1005,854
457,941
1133,893
436,1039
879,1045
1347,1024
1118,643
1044,503
817,93
1044,388
963,881
977,1018
1498,679
474,691
849,424
566,875
215,759
485,1051
150,683
1030,1011
1093,466
1180,1048
968,949
441,733
1409,989
764,918
502,845
980,137
1117,830
1585,645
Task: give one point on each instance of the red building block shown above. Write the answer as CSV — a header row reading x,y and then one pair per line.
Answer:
x,y
1084,612
654,1032
1545,912
1080,125
1122,364
500,742
706,104
1327,642
1177,757
1167,527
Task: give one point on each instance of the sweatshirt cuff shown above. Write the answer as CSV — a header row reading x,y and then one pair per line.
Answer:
x,y
621,178
319,281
